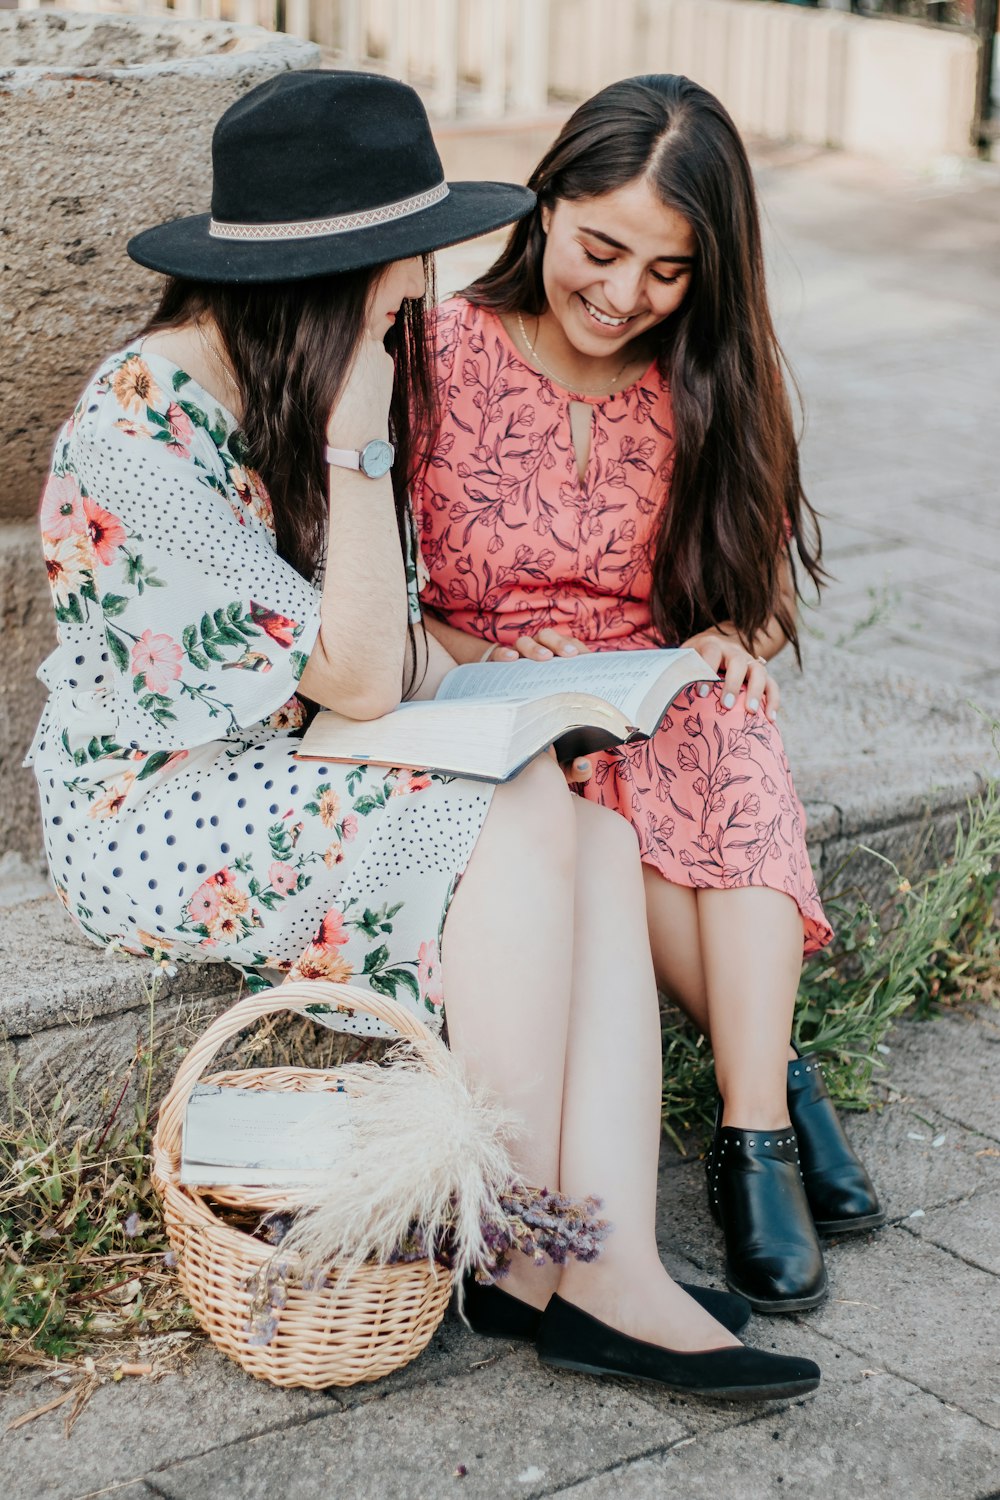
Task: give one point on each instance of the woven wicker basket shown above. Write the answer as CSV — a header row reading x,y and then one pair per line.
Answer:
x,y
343,1332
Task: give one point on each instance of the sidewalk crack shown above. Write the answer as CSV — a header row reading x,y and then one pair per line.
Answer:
x,y
908,1380
660,1450
973,1265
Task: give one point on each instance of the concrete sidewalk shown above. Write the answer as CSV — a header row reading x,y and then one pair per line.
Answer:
x,y
888,298
909,1403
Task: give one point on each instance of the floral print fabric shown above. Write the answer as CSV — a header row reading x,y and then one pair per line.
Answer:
x,y
514,541
176,816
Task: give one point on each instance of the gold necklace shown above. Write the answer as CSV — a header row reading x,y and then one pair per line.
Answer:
x,y
551,373
226,376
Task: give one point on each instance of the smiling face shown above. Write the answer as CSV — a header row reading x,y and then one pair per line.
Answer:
x,y
614,267
401,279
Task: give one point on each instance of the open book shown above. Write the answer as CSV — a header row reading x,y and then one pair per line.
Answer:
x,y
488,720
261,1137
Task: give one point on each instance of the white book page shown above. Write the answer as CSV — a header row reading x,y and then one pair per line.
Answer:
x,y
243,1132
622,678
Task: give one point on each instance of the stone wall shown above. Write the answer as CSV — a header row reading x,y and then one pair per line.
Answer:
x,y
107,124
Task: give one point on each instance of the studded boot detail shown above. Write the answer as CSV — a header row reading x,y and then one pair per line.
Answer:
x,y
756,1193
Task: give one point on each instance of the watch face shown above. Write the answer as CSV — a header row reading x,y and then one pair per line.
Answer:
x,y
376,458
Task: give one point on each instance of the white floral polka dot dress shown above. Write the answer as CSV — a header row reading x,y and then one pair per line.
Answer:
x,y
176,815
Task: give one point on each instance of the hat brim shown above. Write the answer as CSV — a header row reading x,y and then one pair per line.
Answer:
x,y
185,248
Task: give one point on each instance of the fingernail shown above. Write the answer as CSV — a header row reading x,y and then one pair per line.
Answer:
x,y
728,700
569,650
583,765
704,690
772,713
543,651
752,705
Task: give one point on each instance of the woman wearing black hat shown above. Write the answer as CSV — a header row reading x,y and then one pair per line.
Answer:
x,y
227,536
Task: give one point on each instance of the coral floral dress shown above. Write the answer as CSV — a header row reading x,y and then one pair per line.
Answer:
x,y
513,542
176,815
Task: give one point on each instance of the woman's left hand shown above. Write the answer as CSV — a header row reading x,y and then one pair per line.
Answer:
x,y
727,656
576,771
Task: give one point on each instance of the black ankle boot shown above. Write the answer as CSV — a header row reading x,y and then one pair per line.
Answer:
x,y
570,1339
755,1191
838,1188
492,1311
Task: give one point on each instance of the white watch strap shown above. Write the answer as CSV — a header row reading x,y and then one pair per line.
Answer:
x,y
344,458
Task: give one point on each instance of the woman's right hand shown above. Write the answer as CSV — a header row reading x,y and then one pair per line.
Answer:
x,y
361,411
541,647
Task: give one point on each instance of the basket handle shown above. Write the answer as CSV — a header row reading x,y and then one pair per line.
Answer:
x,y
293,995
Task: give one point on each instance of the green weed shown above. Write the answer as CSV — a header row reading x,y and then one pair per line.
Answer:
x,y
82,1240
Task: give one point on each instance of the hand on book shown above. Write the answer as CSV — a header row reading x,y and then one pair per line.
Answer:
x,y
541,647
730,658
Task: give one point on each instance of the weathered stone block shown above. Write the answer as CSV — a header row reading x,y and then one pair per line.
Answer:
x,y
107,124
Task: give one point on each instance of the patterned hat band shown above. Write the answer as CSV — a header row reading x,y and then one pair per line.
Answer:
x,y
311,229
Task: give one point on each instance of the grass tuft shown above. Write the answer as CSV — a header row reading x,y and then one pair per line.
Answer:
x,y
83,1242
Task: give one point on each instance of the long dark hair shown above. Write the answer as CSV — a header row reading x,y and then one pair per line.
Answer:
x,y
735,490
290,346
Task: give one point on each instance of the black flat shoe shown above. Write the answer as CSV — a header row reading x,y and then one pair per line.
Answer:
x,y
492,1311
755,1192
570,1339
839,1190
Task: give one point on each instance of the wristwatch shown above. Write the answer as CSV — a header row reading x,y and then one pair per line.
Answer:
x,y
374,460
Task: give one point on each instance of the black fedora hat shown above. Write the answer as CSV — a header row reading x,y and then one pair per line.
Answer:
x,y
318,172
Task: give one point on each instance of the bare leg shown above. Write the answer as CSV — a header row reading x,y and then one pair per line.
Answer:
x,y
611,1110
752,946
517,1028
507,963
732,960
675,943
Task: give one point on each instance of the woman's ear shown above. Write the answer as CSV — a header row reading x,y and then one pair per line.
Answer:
x,y
545,217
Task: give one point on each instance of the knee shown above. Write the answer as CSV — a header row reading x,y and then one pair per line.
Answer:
x,y
606,836
539,807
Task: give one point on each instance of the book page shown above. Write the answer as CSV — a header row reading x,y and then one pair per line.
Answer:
x,y
446,737
622,678
261,1136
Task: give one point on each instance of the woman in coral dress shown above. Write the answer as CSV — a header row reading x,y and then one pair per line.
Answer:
x,y
615,469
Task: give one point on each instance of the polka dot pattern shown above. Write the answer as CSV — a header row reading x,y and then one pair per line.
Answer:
x,y
200,834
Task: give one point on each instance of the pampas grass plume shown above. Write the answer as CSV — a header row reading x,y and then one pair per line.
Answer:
x,y
426,1149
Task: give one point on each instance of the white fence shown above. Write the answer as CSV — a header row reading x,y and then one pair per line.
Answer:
x,y
785,72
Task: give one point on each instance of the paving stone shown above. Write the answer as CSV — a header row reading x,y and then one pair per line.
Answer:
x,y
864,1433
951,533
978,506
910,1308
970,1230
910,1171
516,1427
986,604
874,743
957,672
127,1430
454,1350
889,566
955,1067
